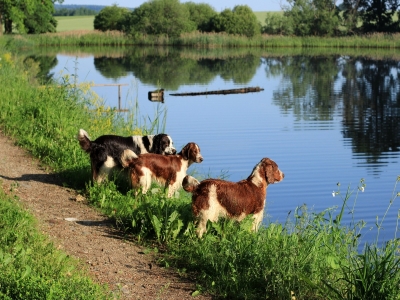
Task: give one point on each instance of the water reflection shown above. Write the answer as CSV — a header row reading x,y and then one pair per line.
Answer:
x,y
366,91
44,65
371,113
308,86
170,70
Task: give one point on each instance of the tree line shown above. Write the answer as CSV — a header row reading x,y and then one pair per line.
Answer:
x,y
172,18
79,11
299,18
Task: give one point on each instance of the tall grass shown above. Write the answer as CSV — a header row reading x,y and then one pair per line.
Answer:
x,y
311,256
204,40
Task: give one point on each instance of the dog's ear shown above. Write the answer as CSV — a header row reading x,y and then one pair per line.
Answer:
x,y
272,173
146,143
269,170
157,146
185,152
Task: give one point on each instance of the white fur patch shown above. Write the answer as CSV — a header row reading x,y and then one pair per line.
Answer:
x,y
170,149
106,169
83,133
179,177
138,140
257,179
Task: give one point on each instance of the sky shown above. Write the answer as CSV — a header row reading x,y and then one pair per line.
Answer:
x,y
218,5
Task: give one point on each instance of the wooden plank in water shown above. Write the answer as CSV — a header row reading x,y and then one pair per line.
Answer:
x,y
223,92
156,96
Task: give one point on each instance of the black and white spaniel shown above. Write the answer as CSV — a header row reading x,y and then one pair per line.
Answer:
x,y
105,151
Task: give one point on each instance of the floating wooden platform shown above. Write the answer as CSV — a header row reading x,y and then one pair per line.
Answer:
x,y
223,92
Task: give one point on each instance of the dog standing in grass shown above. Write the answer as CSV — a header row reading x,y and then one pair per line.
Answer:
x,y
214,198
168,170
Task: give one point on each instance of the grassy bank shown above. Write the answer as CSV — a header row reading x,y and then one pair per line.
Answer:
x,y
311,256
203,40
31,267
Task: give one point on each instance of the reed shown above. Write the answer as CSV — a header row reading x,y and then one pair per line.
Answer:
x,y
204,40
76,38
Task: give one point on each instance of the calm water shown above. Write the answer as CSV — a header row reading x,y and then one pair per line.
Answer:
x,y
323,119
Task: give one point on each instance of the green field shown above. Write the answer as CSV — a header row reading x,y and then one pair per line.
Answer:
x,y
74,23
261,15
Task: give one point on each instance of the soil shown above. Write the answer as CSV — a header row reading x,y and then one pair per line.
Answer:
x,y
112,258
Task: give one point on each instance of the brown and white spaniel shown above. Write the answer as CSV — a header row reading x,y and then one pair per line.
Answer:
x,y
105,150
166,170
214,198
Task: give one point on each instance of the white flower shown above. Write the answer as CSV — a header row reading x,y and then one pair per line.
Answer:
x,y
333,194
361,189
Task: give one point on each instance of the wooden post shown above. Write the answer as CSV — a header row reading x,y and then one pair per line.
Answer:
x,y
119,96
119,92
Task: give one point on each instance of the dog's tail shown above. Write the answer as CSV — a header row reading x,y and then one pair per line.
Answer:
x,y
84,140
126,157
189,183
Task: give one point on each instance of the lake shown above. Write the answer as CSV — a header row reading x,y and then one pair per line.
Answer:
x,y
323,118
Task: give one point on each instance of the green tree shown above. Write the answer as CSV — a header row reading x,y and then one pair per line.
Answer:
x,y
201,14
158,17
17,14
240,20
378,15
312,17
40,19
110,18
351,15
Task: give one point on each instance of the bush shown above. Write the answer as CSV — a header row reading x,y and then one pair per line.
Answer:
x,y
241,20
317,17
200,15
110,18
159,17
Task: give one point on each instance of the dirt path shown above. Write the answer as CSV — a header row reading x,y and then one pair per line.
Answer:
x,y
84,233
